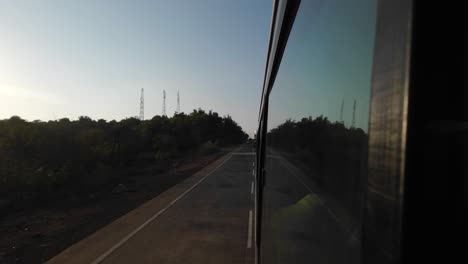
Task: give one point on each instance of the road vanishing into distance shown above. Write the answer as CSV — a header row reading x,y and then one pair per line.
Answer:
x,y
207,218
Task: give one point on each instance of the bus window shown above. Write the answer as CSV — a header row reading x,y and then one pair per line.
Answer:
x,y
317,136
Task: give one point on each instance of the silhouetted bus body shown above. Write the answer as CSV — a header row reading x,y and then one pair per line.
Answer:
x,y
362,134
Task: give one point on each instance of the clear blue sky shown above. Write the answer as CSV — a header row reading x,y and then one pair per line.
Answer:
x,y
70,58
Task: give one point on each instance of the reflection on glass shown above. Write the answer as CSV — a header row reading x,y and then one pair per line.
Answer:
x,y
317,136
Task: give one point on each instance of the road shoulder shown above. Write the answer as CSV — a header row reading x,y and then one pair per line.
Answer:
x,y
107,237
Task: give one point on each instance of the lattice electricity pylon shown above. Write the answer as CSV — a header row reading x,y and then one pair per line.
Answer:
x,y
353,123
142,105
341,112
164,103
178,102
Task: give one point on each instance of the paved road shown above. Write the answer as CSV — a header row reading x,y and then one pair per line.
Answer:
x,y
300,224
204,219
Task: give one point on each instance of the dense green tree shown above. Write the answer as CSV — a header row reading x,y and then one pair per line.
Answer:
x,y
334,156
42,160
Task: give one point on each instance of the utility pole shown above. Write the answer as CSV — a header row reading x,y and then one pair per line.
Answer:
x,y
142,105
164,103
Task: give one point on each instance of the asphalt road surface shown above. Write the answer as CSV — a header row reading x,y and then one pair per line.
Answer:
x,y
301,224
208,218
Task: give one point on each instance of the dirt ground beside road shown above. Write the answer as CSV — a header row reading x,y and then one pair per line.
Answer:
x,y
34,236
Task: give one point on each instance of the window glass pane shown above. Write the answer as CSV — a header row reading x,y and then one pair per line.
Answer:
x,y
317,136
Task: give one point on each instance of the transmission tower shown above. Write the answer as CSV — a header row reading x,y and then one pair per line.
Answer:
x,y
142,105
341,112
164,103
178,102
353,123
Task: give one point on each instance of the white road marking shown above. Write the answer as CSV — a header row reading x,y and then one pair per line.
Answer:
x,y
252,188
126,238
255,212
254,220
249,236
310,190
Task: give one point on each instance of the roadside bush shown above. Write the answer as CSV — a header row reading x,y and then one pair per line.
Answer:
x,y
208,148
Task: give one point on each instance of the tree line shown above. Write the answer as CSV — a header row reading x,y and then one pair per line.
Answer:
x,y
45,160
334,156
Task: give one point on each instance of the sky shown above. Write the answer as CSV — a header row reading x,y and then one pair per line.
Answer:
x,y
328,60
70,58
